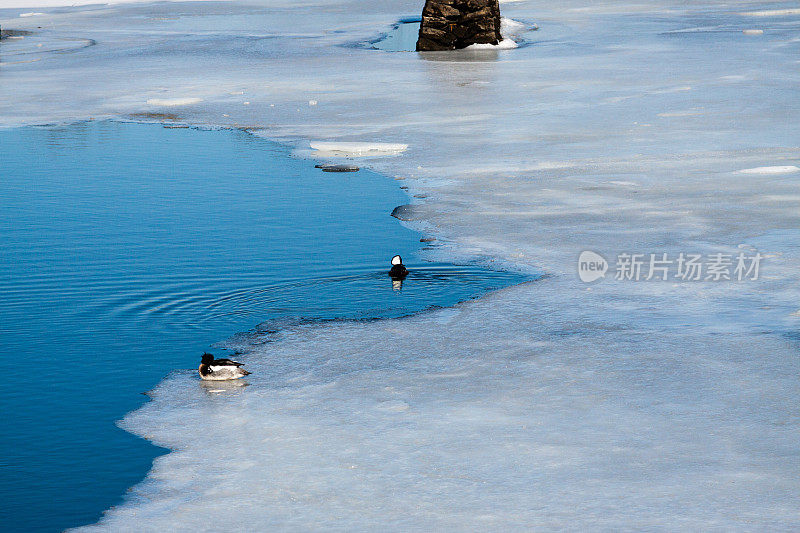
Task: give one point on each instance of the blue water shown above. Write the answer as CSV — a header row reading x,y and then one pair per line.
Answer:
x,y
127,250
401,38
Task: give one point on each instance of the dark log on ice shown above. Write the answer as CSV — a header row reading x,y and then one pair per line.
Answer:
x,y
454,24
337,168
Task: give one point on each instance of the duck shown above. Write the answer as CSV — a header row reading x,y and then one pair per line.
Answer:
x,y
220,369
398,270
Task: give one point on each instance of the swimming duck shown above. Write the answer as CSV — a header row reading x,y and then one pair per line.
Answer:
x,y
220,369
398,270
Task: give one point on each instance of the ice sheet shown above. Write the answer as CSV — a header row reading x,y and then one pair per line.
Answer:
x,y
786,169
448,423
356,149
170,102
622,127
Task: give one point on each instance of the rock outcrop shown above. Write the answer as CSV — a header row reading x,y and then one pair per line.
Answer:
x,y
454,24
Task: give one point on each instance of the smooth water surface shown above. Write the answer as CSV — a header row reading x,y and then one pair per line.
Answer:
x,y
129,249
401,38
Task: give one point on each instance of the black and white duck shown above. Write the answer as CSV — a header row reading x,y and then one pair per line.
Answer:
x,y
398,270
220,369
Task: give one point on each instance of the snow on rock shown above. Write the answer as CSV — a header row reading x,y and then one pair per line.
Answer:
x,y
505,44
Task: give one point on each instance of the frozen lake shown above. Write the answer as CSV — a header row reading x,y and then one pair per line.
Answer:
x,y
620,128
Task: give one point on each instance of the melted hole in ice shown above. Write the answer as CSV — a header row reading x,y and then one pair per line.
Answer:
x,y
402,37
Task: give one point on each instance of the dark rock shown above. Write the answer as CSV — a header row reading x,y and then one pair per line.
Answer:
x,y
13,33
454,24
338,168
155,116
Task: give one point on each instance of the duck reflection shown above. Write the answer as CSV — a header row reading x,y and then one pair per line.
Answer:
x,y
216,388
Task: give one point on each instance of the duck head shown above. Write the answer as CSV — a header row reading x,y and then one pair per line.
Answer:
x,y
397,260
207,359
